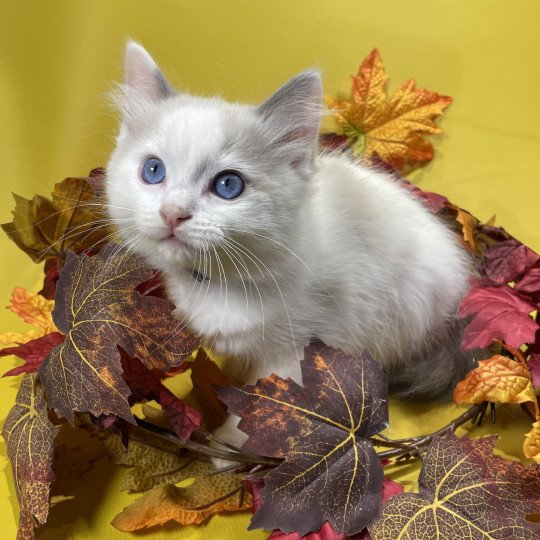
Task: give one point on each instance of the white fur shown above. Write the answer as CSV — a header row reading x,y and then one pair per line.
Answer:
x,y
313,247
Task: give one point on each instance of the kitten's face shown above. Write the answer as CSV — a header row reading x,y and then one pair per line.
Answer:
x,y
192,175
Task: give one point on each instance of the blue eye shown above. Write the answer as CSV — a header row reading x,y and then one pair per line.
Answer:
x,y
228,185
153,171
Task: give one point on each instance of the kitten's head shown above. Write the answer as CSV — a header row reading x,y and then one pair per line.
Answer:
x,y
190,175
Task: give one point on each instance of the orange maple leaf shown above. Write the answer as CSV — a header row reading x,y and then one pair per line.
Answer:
x,y
497,379
389,128
33,309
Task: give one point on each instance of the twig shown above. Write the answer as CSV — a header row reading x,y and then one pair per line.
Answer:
x,y
415,445
399,448
233,455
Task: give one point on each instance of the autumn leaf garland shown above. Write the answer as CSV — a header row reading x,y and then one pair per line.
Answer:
x,y
110,342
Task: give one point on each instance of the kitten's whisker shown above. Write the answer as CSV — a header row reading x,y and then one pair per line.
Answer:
x,y
282,299
227,252
251,280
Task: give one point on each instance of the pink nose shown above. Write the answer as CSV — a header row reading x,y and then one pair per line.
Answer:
x,y
172,218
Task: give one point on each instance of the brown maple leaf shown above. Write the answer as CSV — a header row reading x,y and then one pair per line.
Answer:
x,y
465,492
98,309
331,471
72,219
30,437
392,127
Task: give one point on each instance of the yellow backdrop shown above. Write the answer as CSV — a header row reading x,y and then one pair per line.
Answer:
x,y
58,59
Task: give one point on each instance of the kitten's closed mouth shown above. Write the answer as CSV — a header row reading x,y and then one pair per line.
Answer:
x,y
174,241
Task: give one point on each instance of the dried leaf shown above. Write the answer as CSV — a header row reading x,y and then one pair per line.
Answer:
x,y
98,309
531,445
206,496
331,471
498,313
29,437
33,309
497,379
72,220
465,492
392,127
204,374
33,352
146,383
507,260
469,225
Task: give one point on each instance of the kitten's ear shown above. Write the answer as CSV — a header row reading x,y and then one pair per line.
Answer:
x,y
142,75
292,119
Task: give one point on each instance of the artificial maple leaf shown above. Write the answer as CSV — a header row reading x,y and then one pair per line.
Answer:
x,y
531,445
52,275
498,313
465,492
72,220
191,505
158,466
530,283
331,471
534,367
33,309
204,374
469,225
30,437
98,309
497,379
392,127
146,383
33,353
326,532
507,260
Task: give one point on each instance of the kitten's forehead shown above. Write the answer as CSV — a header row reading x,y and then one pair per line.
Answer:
x,y
197,130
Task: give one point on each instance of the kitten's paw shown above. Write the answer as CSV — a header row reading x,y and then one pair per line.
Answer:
x,y
228,433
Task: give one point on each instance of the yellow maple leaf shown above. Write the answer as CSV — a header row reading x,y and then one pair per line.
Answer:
x,y
389,128
469,225
33,309
497,379
531,444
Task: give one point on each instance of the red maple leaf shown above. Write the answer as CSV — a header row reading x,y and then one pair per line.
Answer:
x,y
498,313
33,352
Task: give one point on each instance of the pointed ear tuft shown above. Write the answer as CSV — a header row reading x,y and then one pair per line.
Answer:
x,y
142,75
292,117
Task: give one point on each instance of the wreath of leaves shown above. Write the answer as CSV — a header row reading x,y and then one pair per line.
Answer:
x,y
108,341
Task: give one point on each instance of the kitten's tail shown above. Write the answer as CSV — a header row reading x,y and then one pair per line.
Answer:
x,y
433,373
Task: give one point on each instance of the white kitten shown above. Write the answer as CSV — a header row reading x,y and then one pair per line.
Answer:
x,y
264,243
